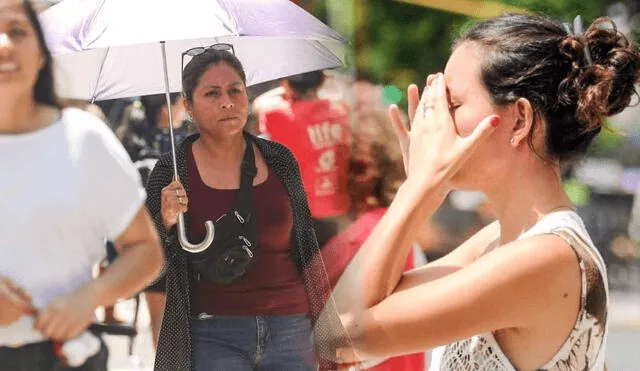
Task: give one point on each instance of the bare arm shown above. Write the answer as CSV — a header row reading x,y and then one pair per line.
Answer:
x,y
14,302
521,285
457,259
433,152
389,242
139,262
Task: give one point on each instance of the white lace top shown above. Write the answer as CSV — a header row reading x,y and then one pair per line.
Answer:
x,y
584,349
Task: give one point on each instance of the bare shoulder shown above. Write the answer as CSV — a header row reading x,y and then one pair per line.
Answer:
x,y
543,267
545,251
532,285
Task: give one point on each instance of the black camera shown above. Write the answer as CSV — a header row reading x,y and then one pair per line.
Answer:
x,y
234,248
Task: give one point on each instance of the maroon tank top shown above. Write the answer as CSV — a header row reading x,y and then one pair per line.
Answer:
x,y
272,286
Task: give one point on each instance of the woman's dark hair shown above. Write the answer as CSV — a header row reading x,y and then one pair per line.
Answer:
x,y
153,103
306,82
44,90
532,57
199,65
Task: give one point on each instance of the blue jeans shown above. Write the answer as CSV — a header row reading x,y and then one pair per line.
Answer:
x,y
263,343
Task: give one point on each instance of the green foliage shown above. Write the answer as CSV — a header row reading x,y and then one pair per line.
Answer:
x,y
563,10
402,43
399,43
577,192
607,143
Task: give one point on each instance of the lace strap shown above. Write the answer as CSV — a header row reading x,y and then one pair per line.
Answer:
x,y
580,246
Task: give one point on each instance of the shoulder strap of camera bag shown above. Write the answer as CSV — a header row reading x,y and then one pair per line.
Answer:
x,y
248,172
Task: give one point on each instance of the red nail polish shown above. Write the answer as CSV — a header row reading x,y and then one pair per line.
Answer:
x,y
495,121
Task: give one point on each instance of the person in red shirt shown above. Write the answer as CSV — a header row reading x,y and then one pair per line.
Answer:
x,y
376,173
317,132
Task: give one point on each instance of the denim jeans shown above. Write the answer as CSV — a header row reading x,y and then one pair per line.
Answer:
x,y
41,357
263,343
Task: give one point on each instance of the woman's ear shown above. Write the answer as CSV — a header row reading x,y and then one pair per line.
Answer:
x,y
524,116
187,107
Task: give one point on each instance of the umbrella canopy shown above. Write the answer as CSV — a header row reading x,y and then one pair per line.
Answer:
x,y
106,49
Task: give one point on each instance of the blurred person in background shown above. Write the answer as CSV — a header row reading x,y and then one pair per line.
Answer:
x,y
376,174
317,132
150,138
69,186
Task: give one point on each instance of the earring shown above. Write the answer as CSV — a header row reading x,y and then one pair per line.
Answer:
x,y
514,142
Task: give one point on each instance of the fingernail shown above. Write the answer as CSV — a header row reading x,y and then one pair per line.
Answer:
x,y
495,121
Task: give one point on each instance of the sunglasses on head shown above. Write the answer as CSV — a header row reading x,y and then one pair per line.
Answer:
x,y
193,52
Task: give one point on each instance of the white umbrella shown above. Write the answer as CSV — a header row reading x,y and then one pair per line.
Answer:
x,y
105,49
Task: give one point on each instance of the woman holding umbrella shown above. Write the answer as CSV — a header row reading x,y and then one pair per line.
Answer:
x,y
262,318
67,185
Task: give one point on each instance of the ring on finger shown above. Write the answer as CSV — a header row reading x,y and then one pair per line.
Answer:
x,y
425,108
177,193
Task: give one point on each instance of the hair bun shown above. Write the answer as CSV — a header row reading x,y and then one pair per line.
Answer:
x,y
604,88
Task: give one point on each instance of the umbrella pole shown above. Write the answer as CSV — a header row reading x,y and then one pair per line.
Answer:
x,y
168,97
209,226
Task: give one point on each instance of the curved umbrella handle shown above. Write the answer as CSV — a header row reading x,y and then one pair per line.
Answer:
x,y
199,247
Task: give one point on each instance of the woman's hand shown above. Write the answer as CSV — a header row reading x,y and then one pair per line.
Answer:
x,y
173,202
14,302
67,316
432,149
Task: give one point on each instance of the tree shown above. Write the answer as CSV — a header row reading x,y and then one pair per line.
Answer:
x,y
400,43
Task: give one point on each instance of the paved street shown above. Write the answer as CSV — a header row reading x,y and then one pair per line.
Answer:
x,y
143,354
623,353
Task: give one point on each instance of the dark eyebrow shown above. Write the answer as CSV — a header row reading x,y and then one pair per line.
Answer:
x,y
219,87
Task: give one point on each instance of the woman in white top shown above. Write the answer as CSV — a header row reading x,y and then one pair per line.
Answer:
x,y
66,185
519,96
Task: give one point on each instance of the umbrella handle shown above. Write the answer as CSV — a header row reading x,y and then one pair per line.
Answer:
x,y
199,247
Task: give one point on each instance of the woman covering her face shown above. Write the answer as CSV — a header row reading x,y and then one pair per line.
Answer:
x,y
260,316
519,96
67,186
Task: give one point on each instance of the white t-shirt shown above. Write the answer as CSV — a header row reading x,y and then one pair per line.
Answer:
x,y
64,190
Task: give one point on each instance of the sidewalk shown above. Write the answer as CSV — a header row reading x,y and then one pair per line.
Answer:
x,y
143,353
624,309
